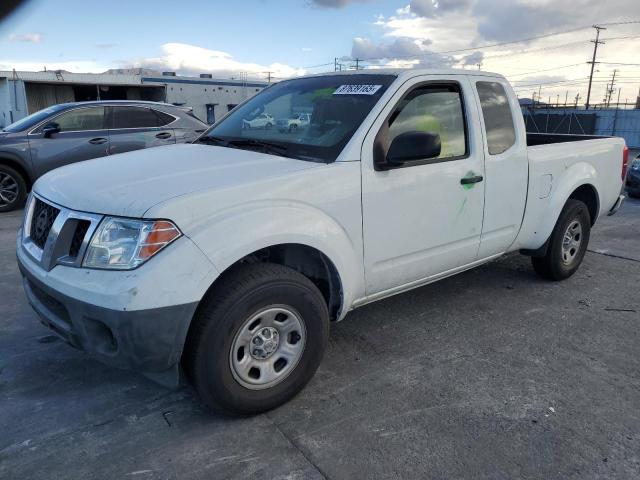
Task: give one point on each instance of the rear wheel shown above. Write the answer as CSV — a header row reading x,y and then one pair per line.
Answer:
x,y
13,189
567,244
257,339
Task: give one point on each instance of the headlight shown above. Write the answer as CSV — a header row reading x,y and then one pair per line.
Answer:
x,y
123,244
635,165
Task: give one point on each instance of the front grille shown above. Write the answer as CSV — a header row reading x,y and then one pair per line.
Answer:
x,y
78,236
41,222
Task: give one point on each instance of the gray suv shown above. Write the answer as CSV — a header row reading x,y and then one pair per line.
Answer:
x,y
71,132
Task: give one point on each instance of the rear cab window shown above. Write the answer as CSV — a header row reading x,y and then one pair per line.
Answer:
x,y
498,119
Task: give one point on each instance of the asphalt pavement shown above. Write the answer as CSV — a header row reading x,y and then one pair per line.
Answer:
x,y
493,374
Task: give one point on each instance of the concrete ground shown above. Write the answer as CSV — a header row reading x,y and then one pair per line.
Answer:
x,y
493,373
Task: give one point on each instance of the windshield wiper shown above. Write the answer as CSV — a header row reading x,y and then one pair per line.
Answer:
x,y
262,145
213,140
252,142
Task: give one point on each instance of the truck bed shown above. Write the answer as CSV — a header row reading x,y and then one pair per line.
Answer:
x,y
534,139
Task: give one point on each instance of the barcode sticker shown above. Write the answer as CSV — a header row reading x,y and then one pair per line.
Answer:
x,y
357,89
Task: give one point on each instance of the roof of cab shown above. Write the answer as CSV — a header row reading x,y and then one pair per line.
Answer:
x,y
413,72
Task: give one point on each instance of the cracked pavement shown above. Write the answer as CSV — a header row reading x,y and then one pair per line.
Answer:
x,y
493,373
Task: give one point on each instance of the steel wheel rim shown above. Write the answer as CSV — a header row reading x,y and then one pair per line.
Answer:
x,y
571,242
267,347
9,189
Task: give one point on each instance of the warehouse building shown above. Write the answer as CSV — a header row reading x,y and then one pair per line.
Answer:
x,y
23,93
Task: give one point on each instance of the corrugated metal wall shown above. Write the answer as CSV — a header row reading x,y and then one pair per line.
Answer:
x,y
40,95
620,123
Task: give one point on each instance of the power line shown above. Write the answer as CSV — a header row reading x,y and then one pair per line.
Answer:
x,y
618,63
547,70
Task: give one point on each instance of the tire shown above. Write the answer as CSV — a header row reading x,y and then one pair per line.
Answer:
x,y
268,126
563,259
293,128
216,360
13,189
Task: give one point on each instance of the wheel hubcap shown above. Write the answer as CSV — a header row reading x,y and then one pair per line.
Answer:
x,y
267,347
571,242
8,189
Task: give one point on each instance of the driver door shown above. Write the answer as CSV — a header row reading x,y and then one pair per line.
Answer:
x,y
423,218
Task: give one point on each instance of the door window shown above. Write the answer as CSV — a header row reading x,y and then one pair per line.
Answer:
x,y
433,109
498,122
81,119
134,117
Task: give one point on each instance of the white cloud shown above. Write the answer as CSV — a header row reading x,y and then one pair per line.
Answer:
x,y
190,59
31,37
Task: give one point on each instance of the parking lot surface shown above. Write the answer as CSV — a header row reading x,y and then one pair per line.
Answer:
x,y
493,373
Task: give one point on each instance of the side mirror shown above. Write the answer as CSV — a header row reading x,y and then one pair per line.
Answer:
x,y
49,129
413,146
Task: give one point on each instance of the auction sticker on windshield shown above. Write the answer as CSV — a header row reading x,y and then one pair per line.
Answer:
x,y
357,89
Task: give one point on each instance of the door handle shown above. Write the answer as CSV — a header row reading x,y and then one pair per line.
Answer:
x,y
163,135
470,180
98,141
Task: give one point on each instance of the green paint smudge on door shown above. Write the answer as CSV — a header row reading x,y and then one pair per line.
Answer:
x,y
469,186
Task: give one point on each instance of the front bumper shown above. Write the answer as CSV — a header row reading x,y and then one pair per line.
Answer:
x,y
135,319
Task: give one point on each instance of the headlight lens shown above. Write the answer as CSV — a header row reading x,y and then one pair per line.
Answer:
x,y
123,244
635,165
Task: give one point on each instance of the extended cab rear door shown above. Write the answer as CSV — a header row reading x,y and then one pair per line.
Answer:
x,y
424,218
506,163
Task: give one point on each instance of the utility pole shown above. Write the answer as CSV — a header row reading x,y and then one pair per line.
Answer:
x,y
610,88
269,76
577,98
593,62
539,93
357,64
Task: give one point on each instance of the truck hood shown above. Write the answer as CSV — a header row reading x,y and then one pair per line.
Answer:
x,y
131,183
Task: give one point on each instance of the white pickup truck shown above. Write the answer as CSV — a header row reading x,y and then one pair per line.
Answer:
x,y
229,258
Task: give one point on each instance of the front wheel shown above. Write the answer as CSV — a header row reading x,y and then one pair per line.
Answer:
x,y
567,244
257,339
13,189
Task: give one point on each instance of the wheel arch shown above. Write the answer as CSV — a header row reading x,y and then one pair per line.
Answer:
x,y
305,259
588,195
16,164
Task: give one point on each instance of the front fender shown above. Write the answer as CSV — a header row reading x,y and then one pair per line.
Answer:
x,y
542,214
236,232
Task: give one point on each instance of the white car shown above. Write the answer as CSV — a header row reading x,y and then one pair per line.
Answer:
x,y
294,122
264,120
231,264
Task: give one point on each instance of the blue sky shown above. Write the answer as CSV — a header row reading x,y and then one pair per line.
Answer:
x,y
291,32
287,36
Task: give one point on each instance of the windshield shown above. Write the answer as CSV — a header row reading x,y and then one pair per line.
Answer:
x,y
332,106
33,119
